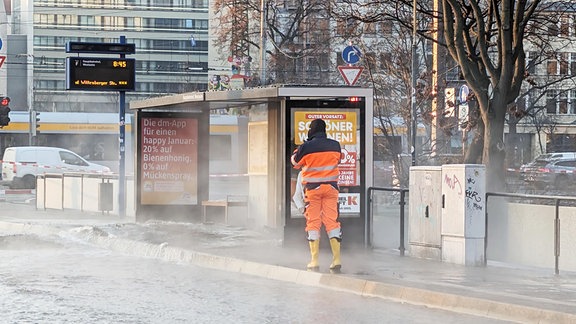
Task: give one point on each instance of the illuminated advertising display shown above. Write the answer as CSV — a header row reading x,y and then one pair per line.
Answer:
x,y
340,126
168,161
100,74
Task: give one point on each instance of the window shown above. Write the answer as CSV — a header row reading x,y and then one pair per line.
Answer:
x,y
561,102
564,26
561,143
564,64
72,159
386,27
453,70
532,60
385,61
369,28
553,29
66,20
552,66
86,20
339,60
572,102
346,27
570,164
551,101
341,27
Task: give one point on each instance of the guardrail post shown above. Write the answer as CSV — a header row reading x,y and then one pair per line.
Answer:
x,y
557,237
367,227
402,203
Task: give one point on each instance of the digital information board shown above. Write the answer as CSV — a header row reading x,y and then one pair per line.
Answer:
x,y
100,74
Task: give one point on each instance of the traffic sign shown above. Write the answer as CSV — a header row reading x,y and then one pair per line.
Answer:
x,y
463,110
2,59
350,73
464,91
351,54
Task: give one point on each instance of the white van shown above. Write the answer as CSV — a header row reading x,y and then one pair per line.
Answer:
x,y
21,164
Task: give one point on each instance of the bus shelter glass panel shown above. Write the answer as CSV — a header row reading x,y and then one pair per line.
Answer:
x,y
343,125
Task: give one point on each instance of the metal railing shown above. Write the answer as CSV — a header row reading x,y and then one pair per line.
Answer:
x,y
555,199
402,203
527,198
81,191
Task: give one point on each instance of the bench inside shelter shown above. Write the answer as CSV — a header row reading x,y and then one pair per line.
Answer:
x,y
226,203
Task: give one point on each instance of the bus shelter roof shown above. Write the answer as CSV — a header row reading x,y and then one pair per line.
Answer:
x,y
210,100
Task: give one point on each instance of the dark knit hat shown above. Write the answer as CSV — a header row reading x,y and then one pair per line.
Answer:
x,y
317,126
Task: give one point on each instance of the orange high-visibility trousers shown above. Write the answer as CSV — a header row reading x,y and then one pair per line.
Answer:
x,y
322,208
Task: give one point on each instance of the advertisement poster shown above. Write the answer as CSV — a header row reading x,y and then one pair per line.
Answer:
x,y
349,203
340,126
347,168
169,161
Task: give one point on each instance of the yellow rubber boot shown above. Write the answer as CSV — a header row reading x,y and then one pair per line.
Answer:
x,y
314,251
336,263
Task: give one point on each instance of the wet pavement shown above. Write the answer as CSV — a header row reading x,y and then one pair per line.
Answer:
x,y
501,291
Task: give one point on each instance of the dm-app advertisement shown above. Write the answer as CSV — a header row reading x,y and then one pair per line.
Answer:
x,y
169,161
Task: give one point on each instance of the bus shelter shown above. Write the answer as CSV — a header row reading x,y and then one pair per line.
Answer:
x,y
176,150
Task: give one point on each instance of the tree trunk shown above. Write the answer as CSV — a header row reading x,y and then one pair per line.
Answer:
x,y
475,150
494,149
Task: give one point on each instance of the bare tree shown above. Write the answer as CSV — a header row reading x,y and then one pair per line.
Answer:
x,y
487,40
297,37
387,59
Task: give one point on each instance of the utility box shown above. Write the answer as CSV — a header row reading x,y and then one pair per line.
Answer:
x,y
425,206
105,196
463,213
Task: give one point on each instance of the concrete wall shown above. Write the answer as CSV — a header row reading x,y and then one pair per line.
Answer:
x,y
521,233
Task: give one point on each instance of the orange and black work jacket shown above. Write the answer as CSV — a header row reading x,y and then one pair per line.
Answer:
x,y
318,158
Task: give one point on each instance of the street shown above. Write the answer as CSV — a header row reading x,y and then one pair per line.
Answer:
x,y
58,279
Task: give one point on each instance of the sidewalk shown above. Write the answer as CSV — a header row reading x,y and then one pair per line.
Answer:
x,y
496,291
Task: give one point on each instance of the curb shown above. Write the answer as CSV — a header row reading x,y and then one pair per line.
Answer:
x,y
416,296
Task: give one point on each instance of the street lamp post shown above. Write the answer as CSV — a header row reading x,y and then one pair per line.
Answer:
x,y
263,41
414,76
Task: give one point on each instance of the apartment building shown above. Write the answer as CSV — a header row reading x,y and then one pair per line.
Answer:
x,y
548,101
170,36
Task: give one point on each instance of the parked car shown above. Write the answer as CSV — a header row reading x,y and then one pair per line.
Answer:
x,y
559,173
557,155
21,164
545,158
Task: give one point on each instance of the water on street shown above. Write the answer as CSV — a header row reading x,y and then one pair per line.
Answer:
x,y
56,279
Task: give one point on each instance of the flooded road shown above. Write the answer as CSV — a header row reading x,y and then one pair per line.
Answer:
x,y
56,279
73,267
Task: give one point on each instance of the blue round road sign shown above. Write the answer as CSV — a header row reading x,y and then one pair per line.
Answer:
x,y
351,54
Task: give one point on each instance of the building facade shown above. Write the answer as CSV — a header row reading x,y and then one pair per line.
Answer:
x,y
170,36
